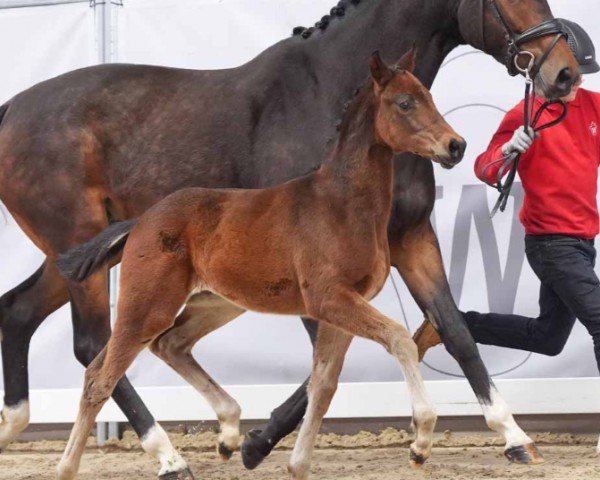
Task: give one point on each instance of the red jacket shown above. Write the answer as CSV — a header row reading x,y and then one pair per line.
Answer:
x,y
559,172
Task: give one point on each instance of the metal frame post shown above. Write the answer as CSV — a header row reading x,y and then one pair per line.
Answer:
x,y
105,18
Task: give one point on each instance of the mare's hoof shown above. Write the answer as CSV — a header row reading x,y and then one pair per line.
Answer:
x,y
252,453
224,452
416,459
524,454
181,475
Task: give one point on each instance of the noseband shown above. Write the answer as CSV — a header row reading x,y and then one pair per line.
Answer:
x,y
516,40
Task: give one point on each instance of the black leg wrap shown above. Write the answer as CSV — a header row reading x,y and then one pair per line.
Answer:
x,y
181,475
524,454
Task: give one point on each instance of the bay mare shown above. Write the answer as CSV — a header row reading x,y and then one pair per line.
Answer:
x,y
314,246
105,143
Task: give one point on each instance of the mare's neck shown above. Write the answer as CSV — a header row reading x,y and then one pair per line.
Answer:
x,y
339,54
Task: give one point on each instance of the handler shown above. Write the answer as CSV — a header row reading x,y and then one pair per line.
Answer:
x,y
559,172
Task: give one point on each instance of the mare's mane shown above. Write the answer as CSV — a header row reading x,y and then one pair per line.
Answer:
x,y
338,11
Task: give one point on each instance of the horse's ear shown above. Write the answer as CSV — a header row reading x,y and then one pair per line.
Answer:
x,y
380,72
408,60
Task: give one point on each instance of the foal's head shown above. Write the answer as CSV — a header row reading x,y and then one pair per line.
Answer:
x,y
406,118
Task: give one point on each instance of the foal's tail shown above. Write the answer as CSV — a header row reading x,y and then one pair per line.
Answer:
x,y
3,110
80,262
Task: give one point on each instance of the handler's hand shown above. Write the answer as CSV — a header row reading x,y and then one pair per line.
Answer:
x,y
520,142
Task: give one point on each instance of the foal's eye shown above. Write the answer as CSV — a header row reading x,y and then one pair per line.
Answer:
x,y
405,102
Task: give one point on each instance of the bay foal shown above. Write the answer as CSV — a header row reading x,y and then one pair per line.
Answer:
x,y
313,246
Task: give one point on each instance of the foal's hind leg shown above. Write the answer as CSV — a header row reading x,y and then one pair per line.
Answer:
x,y
352,313
100,379
203,314
91,327
152,292
22,310
330,351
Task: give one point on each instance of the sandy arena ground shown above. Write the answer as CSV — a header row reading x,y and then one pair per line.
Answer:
x,y
360,457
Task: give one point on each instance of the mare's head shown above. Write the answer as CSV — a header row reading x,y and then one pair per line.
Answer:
x,y
406,119
481,25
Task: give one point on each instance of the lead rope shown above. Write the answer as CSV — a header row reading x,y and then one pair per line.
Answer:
x,y
531,123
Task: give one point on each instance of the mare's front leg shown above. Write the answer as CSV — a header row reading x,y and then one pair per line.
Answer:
x,y
258,444
330,350
416,255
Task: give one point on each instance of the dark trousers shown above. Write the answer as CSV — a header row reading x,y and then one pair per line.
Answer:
x,y
569,289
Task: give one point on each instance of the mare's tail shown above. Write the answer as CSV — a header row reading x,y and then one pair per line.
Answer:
x,y
80,262
3,110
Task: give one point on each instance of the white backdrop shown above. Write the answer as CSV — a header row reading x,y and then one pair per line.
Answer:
x,y
267,350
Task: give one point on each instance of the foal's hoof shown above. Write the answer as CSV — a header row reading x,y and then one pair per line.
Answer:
x,y
181,475
416,459
252,453
224,452
524,454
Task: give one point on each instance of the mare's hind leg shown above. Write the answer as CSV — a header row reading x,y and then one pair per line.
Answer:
x,y
330,351
152,292
417,257
22,310
204,313
258,444
352,313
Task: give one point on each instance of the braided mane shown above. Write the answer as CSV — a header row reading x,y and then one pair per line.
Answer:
x,y
338,11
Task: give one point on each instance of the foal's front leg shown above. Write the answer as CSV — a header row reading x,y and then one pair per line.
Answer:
x,y
417,257
330,351
347,310
258,444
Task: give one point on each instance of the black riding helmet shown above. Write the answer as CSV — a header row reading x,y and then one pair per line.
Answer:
x,y
582,46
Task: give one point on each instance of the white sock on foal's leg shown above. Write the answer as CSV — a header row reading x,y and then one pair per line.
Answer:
x,y
14,421
156,442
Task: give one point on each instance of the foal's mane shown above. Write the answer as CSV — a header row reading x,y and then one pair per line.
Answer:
x,y
338,11
361,101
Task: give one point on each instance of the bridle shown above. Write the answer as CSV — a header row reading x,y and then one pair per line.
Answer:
x,y
516,40
531,119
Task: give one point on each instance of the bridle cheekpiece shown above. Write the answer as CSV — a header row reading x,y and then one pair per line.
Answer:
x,y
516,40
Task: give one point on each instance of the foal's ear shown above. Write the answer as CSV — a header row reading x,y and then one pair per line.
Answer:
x,y
408,60
380,72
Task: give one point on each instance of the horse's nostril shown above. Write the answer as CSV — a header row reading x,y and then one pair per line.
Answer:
x,y
565,77
457,148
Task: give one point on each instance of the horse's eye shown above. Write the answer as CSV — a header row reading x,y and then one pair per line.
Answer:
x,y
405,102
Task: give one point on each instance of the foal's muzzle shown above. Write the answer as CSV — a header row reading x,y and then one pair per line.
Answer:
x,y
456,151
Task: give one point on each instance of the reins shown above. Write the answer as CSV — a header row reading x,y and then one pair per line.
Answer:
x,y
531,118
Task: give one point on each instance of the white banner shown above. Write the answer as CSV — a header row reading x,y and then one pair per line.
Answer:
x,y
261,349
